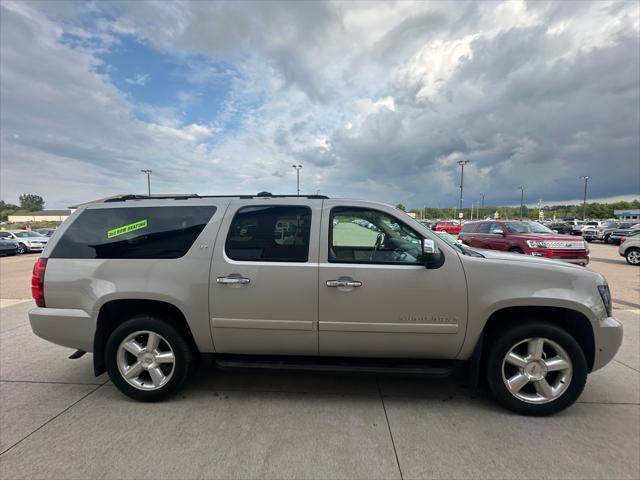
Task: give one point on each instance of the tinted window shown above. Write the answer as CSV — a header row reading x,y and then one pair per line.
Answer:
x,y
136,232
270,234
468,227
360,235
5,235
484,227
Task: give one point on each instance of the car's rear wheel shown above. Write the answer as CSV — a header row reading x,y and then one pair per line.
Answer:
x,y
632,255
516,250
148,359
536,369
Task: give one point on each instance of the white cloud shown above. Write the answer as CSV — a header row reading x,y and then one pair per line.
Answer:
x,y
139,80
376,99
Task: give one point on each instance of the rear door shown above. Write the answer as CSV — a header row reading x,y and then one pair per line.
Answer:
x,y
264,278
376,298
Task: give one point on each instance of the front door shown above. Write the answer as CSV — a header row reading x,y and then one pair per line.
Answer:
x,y
264,278
376,298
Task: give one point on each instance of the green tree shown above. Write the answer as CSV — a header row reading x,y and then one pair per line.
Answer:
x,y
401,207
31,202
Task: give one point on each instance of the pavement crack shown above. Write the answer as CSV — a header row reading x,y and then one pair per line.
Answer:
x,y
50,420
628,366
393,443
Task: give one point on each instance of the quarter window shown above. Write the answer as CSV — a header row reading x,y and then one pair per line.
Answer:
x,y
134,232
270,234
360,235
483,227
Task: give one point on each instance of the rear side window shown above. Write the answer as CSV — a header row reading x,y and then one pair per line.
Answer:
x,y
468,227
136,232
483,228
270,234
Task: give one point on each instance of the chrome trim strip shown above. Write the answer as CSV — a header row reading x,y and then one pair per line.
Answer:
x,y
379,327
306,325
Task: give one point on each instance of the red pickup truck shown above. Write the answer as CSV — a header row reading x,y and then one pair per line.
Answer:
x,y
530,238
451,227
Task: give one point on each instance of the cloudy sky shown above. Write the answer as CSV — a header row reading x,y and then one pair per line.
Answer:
x,y
375,100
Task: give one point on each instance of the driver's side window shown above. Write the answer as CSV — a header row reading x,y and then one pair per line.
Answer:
x,y
361,235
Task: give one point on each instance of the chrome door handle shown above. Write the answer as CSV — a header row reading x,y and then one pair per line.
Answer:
x,y
344,283
233,280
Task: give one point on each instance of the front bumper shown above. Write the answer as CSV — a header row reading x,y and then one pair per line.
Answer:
x,y
64,326
608,338
578,257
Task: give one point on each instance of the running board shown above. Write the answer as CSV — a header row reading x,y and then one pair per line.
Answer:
x,y
435,368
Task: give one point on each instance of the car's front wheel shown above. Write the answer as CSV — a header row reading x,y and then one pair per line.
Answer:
x,y
536,369
22,248
632,255
148,359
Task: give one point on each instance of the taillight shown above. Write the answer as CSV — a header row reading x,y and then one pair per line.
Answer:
x,y
622,240
37,281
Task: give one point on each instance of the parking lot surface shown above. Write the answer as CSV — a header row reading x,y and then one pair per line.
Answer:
x,y
59,421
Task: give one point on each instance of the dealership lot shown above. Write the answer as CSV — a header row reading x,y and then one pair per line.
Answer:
x,y
59,421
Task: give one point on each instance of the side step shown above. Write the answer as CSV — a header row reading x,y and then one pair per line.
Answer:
x,y
433,368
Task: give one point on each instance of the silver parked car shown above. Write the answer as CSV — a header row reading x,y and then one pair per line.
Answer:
x,y
630,249
29,241
312,283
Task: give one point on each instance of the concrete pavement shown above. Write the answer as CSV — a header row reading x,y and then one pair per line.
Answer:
x,y
59,421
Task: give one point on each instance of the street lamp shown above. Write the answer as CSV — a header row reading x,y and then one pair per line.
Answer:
x,y
462,163
481,204
148,173
522,189
584,201
297,166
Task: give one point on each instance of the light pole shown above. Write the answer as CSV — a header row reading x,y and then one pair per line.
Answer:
x,y
522,189
462,163
481,204
297,166
584,201
148,173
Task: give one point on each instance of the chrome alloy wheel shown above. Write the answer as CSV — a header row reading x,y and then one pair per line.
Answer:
x,y
145,360
537,370
634,257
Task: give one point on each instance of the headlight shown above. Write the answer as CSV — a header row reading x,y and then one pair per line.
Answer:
x,y
605,294
537,244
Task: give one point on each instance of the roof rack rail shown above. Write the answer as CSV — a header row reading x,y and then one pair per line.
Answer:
x,y
124,198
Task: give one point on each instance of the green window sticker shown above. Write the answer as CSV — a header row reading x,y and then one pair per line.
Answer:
x,y
127,228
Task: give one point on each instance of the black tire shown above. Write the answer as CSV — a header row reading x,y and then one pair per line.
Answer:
x,y
22,248
516,250
606,238
588,240
445,231
501,345
183,352
631,256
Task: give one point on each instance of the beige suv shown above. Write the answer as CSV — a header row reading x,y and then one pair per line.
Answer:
x,y
312,283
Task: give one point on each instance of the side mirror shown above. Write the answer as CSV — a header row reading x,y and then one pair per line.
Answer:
x,y
431,255
497,231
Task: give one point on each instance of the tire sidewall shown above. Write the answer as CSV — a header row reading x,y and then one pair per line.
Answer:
x,y
626,256
22,248
500,348
181,349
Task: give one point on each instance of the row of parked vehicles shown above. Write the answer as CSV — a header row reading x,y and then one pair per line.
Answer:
x,y
554,240
24,241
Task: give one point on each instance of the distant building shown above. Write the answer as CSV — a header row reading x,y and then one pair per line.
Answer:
x,y
41,216
627,214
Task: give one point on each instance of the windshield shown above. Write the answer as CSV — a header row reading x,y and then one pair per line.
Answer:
x,y
527,227
26,234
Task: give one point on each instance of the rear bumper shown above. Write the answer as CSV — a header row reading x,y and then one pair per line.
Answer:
x,y
608,338
64,326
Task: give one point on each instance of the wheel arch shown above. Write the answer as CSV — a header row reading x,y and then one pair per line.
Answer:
x,y
572,321
115,312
